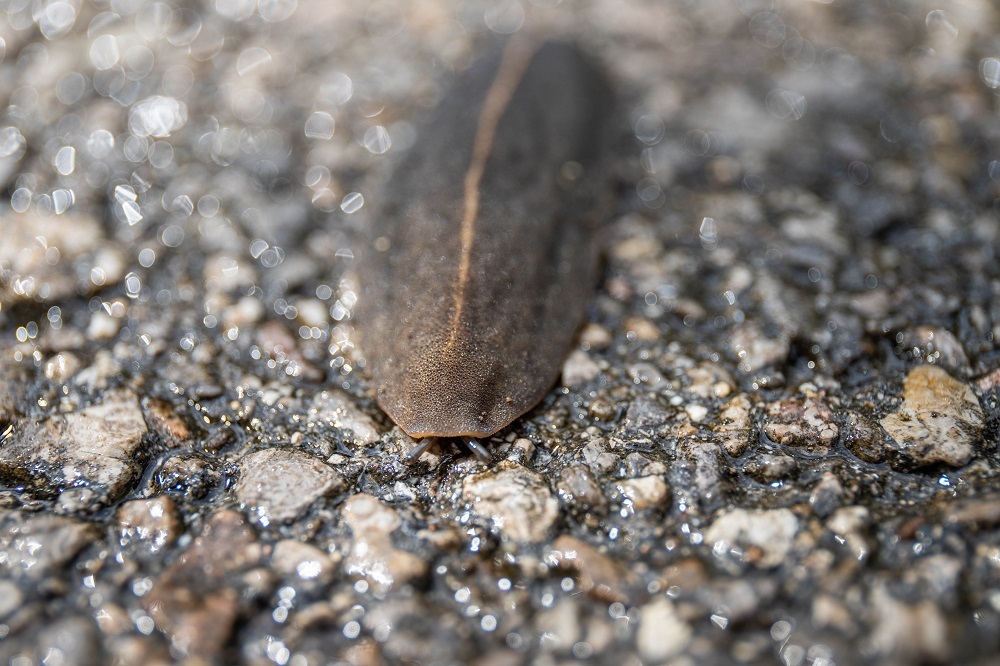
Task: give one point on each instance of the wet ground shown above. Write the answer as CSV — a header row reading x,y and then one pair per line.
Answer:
x,y
774,442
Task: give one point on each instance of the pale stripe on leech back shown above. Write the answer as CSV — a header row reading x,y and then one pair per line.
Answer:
x,y
515,60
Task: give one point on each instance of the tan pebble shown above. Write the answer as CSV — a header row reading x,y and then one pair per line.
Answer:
x,y
644,329
595,336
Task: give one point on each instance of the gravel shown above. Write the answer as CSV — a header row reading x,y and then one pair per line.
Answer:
x,y
775,439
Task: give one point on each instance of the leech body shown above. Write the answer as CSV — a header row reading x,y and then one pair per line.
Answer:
x,y
482,259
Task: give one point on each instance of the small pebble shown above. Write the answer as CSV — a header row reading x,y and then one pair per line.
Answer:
x,y
644,492
771,531
662,633
148,527
335,409
98,446
579,369
806,424
373,554
733,425
598,574
277,485
515,499
939,421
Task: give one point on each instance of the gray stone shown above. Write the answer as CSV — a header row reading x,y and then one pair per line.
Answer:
x,y
644,492
904,632
662,634
72,641
42,254
277,485
769,532
806,423
939,421
98,446
373,555
301,563
733,426
600,575
579,369
146,528
768,468
517,500
37,547
195,602
337,410
755,350
10,597
577,487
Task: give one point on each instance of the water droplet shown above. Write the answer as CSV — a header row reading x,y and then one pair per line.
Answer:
x,y
172,235
62,199
352,203
153,21
939,23
133,214
182,205
786,104
12,144
138,60
56,19
858,172
186,26
235,10
707,233
352,629
799,52
649,129
273,11
767,29
317,176
377,140
133,285
70,87
989,69
320,125
124,193
208,43
20,200
208,205
336,90
100,143
157,116
135,148
104,52
650,192
110,81
65,160
504,17
781,630
251,59
161,155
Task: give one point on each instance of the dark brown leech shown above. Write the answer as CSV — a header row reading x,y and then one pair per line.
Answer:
x,y
482,260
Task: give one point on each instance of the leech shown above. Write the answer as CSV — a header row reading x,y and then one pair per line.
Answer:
x,y
482,263
420,449
478,449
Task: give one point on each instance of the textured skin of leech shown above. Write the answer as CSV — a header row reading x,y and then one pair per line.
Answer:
x,y
473,309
